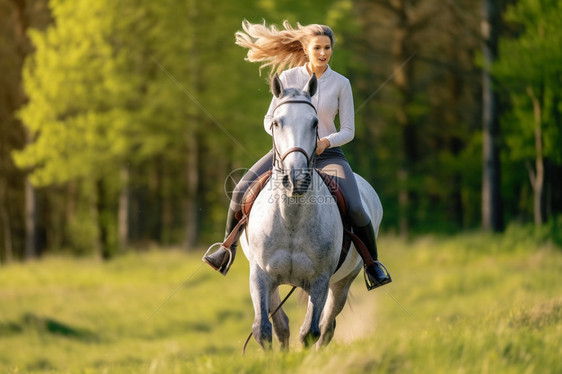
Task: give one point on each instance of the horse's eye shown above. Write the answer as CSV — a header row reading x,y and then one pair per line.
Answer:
x,y
315,123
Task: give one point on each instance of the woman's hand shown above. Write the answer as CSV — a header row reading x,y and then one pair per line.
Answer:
x,y
322,145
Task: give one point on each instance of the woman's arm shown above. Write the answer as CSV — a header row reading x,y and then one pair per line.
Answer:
x,y
346,116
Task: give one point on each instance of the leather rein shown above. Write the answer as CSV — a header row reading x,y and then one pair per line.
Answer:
x,y
281,157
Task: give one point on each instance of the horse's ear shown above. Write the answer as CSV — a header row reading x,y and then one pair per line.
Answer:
x,y
311,85
277,86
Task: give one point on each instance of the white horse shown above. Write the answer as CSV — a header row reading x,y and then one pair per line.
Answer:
x,y
294,233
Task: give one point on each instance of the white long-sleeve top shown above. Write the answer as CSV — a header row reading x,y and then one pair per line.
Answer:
x,y
333,97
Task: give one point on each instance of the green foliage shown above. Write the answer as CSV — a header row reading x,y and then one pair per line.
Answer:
x,y
130,85
82,233
530,65
549,233
139,86
471,303
84,84
529,72
160,91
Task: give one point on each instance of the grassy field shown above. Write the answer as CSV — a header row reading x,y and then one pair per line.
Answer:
x,y
467,304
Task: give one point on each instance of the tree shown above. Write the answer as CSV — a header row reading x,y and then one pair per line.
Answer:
x,y
416,94
31,251
131,93
400,24
530,72
85,99
492,215
17,195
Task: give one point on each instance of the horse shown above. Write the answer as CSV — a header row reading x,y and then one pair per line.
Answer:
x,y
294,232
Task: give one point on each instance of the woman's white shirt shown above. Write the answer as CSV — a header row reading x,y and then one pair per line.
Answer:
x,y
333,97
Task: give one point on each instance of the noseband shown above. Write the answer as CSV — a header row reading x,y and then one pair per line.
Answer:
x,y
281,157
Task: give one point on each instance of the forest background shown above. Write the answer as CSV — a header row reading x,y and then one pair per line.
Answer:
x,y
122,122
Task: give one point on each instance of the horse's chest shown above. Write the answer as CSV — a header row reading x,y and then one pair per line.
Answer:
x,y
293,256
293,245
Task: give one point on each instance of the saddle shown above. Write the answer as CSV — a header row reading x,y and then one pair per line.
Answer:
x,y
257,186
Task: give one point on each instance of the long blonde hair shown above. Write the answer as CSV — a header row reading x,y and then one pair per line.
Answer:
x,y
278,49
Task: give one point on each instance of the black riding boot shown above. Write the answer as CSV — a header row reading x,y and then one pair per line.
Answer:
x,y
222,259
377,274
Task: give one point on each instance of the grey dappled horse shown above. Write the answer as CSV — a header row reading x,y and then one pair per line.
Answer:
x,y
294,233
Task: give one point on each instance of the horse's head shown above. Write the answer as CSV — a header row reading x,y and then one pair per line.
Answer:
x,y
295,130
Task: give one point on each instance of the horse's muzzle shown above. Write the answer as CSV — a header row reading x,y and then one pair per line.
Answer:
x,y
297,182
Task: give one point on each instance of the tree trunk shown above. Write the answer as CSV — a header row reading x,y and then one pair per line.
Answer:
x,y
166,206
155,186
123,214
71,198
537,176
102,215
192,179
492,215
30,221
402,81
454,85
6,227
21,26
192,159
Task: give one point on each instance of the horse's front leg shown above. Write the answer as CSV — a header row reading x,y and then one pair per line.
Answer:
x,y
337,297
318,292
280,321
260,291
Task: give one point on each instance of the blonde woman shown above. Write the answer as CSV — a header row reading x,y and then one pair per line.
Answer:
x,y
305,50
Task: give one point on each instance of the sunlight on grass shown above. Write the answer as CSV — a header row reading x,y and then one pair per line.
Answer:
x,y
468,304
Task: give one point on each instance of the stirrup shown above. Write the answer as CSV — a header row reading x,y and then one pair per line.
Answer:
x,y
371,284
211,247
223,268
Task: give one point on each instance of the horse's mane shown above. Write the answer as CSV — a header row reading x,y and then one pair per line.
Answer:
x,y
293,93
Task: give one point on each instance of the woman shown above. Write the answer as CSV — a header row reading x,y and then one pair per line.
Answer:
x,y
306,50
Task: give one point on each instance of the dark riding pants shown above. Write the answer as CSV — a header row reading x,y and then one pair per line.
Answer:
x,y
332,161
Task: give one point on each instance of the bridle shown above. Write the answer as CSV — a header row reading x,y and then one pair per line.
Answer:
x,y
278,157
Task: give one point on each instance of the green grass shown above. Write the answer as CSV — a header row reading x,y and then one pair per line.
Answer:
x,y
467,304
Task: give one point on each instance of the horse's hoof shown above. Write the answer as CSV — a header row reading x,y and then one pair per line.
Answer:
x,y
310,339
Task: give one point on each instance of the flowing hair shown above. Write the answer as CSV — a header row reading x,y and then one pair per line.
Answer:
x,y
278,49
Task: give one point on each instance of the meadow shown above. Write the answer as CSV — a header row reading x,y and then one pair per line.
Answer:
x,y
471,303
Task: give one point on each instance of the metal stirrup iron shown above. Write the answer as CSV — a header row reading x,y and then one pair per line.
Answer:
x,y
370,284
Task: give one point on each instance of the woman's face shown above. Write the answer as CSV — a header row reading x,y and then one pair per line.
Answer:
x,y
319,50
